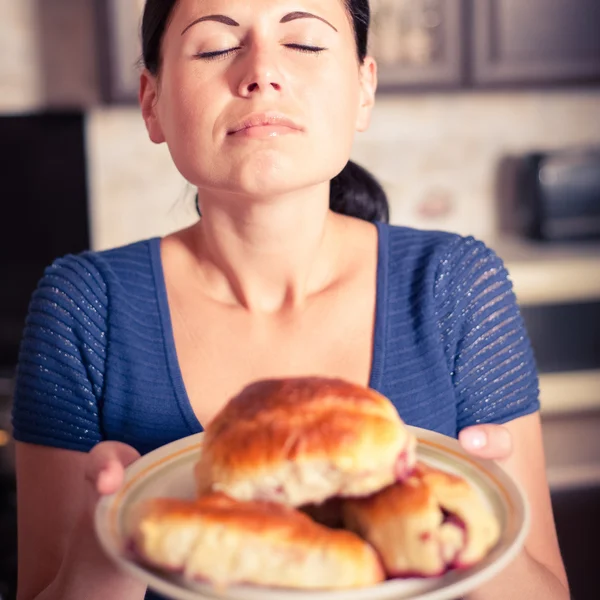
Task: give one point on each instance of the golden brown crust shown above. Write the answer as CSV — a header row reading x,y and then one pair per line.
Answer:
x,y
219,539
431,522
337,429
250,517
296,417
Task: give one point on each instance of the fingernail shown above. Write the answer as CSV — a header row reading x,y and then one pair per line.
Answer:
x,y
103,480
475,439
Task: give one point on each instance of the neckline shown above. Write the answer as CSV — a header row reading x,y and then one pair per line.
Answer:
x,y
183,400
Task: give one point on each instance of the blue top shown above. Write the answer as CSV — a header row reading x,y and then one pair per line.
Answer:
x,y
98,359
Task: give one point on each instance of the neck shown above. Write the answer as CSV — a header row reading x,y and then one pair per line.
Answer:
x,y
267,256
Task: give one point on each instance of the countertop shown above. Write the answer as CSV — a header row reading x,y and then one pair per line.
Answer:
x,y
544,273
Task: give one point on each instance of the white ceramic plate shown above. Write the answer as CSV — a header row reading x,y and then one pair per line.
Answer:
x,y
168,472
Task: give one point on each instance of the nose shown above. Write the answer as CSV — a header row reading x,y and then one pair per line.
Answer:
x,y
261,74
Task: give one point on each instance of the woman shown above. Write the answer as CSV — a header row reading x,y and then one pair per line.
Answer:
x,y
129,349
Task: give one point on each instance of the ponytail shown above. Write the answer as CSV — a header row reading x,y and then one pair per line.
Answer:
x,y
356,193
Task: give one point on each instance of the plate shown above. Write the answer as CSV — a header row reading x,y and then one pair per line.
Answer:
x,y
168,472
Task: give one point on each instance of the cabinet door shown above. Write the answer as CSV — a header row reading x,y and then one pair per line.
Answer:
x,y
118,25
417,43
535,41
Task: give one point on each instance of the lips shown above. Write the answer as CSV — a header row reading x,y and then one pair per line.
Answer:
x,y
264,120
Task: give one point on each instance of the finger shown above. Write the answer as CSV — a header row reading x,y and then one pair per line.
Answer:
x,y
110,478
487,441
106,465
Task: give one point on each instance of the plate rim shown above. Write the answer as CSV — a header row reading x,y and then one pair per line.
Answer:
x,y
110,507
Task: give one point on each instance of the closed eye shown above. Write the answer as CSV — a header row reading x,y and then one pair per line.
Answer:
x,y
217,54
303,48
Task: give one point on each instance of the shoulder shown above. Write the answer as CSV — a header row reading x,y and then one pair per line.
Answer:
x,y
437,244
60,383
427,247
440,260
449,257
71,301
411,236
89,274
125,261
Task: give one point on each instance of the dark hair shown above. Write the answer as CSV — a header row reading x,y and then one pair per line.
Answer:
x,y
354,191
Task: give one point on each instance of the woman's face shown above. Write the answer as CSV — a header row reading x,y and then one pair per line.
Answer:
x,y
259,98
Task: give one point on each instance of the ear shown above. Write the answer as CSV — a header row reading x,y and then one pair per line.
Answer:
x,y
368,87
148,98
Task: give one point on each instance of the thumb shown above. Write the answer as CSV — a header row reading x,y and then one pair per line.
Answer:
x,y
106,465
487,441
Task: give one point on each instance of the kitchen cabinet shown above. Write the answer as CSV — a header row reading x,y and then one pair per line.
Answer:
x,y
534,41
418,43
422,44
577,517
8,499
572,449
119,30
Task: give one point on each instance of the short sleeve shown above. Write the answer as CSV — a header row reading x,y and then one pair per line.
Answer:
x,y
487,348
60,371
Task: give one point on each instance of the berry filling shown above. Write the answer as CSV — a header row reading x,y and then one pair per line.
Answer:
x,y
453,538
403,467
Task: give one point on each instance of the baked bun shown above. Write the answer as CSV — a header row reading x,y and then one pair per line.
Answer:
x,y
301,441
426,525
223,541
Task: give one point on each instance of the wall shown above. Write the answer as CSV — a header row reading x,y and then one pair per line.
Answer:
x,y
436,154
135,190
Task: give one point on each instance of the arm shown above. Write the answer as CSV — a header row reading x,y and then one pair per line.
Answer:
x,y
45,516
59,556
56,421
495,380
538,572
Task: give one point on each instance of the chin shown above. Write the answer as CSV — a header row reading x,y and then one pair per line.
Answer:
x,y
270,179
267,188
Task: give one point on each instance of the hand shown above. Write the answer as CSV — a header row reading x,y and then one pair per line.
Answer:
x,y
105,469
86,570
487,441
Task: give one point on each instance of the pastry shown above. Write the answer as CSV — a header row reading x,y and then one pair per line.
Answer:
x,y
225,542
302,441
432,522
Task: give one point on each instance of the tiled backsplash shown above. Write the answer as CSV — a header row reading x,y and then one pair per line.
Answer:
x,y
437,155
135,190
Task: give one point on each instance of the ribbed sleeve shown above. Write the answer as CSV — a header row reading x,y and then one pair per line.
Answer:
x,y
60,374
98,359
485,342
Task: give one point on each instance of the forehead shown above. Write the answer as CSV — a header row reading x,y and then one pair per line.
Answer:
x,y
256,9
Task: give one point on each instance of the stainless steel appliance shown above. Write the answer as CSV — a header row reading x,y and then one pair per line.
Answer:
x,y
558,195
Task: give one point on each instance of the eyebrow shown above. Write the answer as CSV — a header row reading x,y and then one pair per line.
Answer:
x,y
218,18
293,16
304,15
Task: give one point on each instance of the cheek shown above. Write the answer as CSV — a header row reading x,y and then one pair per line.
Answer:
x,y
178,94
188,116
337,104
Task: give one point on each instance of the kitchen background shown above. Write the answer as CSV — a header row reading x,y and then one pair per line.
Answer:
x,y
487,124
